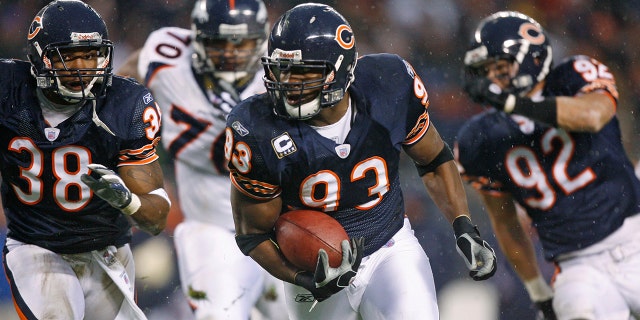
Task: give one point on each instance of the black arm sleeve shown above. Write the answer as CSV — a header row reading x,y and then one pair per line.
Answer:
x,y
248,242
445,155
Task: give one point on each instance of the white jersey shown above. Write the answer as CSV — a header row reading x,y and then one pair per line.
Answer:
x,y
193,121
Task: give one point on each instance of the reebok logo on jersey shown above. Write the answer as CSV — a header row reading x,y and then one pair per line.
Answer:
x,y
147,98
283,145
239,128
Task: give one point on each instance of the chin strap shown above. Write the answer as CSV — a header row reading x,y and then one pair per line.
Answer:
x,y
99,122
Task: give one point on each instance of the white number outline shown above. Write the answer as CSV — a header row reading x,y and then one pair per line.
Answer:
x,y
64,177
330,201
536,178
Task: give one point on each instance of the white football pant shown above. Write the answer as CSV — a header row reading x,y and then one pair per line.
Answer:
x,y
218,280
602,281
72,286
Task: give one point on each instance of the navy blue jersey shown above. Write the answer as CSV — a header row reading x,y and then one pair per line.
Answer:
x,y
356,182
44,200
577,187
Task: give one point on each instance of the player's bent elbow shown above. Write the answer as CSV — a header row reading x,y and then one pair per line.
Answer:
x,y
153,229
590,121
157,230
152,221
596,121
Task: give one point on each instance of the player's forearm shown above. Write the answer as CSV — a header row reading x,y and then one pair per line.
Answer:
x,y
520,253
518,249
447,191
587,113
146,183
151,217
267,255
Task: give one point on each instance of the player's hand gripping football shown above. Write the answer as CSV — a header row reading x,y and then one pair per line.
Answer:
x,y
109,186
326,280
483,91
477,253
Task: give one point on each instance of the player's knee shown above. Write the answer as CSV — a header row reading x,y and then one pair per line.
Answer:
x,y
574,309
573,288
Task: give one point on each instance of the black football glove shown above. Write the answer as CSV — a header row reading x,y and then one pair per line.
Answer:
x,y
483,91
326,280
107,185
545,310
477,253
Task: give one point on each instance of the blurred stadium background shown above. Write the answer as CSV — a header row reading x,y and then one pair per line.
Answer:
x,y
432,35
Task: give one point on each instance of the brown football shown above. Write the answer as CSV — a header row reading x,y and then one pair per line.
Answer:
x,y
301,233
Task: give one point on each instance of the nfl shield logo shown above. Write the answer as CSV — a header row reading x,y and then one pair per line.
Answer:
x,y
51,133
343,150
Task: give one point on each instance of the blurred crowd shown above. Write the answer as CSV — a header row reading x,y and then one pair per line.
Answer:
x,y
433,36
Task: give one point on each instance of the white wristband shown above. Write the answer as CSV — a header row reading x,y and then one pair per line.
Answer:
x,y
133,206
538,289
161,193
510,103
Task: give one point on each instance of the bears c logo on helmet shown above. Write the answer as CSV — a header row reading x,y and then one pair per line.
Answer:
x,y
532,33
35,27
344,37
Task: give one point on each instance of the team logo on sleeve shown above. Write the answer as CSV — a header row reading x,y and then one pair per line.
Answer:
x,y
283,145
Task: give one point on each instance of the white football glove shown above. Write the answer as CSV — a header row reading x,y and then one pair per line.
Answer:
x,y
477,253
326,281
107,185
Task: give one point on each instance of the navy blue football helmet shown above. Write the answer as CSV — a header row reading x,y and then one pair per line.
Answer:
x,y
63,26
516,37
309,38
228,21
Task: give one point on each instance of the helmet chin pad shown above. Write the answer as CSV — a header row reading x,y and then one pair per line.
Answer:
x,y
230,76
303,111
75,96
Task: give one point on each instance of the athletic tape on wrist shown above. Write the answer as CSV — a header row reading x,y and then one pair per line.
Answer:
x,y
510,103
538,289
133,206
